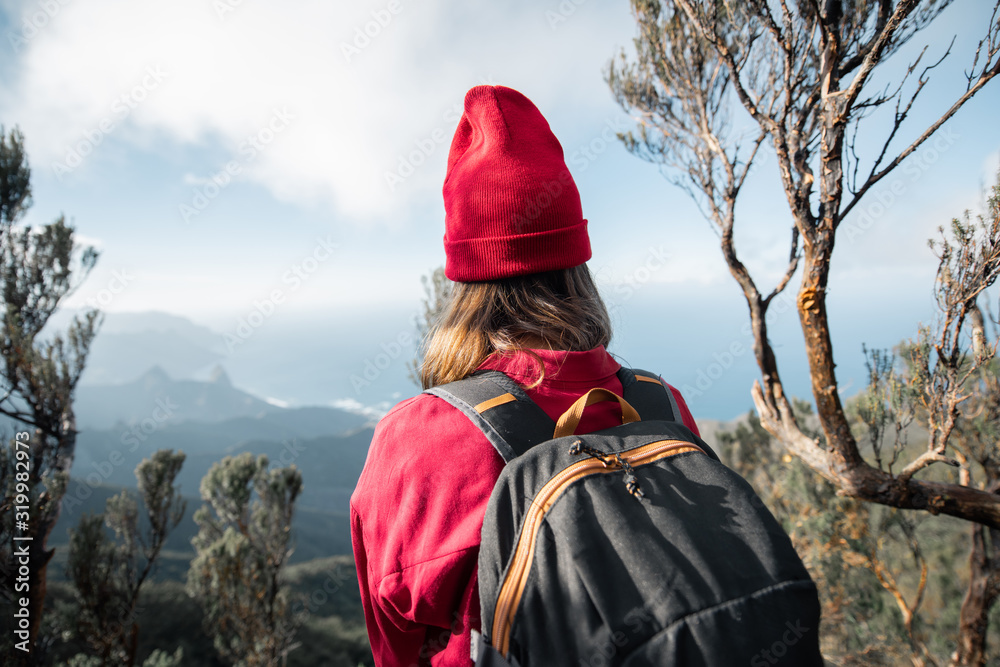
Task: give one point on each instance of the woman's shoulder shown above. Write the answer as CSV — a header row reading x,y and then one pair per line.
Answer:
x,y
418,410
426,425
402,409
420,433
426,481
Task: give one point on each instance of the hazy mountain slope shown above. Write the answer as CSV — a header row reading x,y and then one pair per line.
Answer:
x,y
157,398
129,343
330,464
316,534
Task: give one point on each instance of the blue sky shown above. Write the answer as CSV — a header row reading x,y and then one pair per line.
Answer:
x,y
235,149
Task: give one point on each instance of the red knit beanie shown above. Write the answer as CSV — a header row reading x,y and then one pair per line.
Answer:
x,y
511,206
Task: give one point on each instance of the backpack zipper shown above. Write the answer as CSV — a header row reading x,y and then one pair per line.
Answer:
x,y
517,575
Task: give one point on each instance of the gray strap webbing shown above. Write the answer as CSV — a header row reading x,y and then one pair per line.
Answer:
x,y
512,426
491,434
516,424
652,400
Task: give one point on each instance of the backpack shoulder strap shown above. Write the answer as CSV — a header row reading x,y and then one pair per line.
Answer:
x,y
651,398
501,409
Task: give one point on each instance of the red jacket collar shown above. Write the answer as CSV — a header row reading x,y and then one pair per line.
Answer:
x,y
561,367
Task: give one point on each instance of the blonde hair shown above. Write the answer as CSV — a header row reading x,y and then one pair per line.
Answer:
x,y
562,308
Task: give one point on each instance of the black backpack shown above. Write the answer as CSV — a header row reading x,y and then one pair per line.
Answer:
x,y
628,546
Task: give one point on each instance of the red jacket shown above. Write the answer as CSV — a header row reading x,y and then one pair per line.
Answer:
x,y
417,511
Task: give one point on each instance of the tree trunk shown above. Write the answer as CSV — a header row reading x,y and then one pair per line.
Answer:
x,y
819,350
984,585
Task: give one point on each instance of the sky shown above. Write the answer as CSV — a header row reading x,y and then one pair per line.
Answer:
x,y
228,157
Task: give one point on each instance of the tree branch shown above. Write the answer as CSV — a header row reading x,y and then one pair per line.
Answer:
x,y
874,178
879,43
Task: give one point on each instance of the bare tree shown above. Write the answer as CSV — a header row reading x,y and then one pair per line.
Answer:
x,y
803,73
952,391
976,441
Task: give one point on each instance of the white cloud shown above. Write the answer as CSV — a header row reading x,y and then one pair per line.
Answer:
x,y
83,241
277,402
353,405
360,101
356,115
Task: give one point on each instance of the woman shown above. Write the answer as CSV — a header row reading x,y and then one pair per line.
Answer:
x,y
524,303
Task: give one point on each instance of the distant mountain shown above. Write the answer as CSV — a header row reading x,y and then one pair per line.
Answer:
x,y
129,343
207,420
298,361
154,398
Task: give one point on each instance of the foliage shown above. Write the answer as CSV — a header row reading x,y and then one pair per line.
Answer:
x,y
333,633
946,380
108,574
935,389
883,574
156,659
39,267
803,75
243,544
932,390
